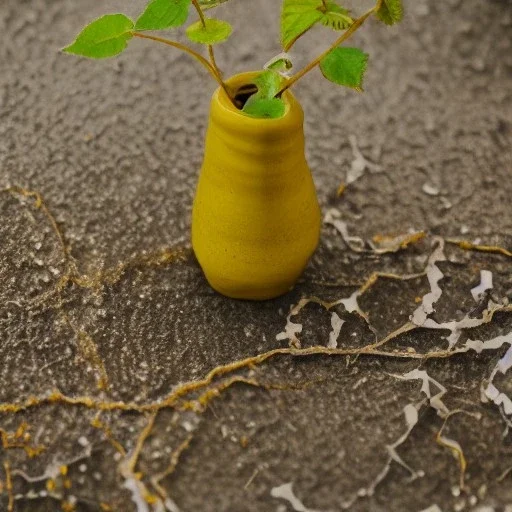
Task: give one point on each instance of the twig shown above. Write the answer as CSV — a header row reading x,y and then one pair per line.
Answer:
x,y
251,478
8,486
175,458
184,48
470,246
131,462
211,54
97,423
357,23
504,475
454,445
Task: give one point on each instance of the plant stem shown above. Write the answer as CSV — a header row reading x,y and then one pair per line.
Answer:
x,y
357,23
211,54
213,62
199,12
184,48
194,54
210,47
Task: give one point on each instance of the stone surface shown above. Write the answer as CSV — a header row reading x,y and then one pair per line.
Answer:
x,y
114,148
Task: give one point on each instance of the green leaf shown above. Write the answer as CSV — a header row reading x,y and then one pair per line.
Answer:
x,y
268,84
104,37
391,11
262,104
163,14
266,108
336,17
208,4
214,31
345,66
280,63
297,17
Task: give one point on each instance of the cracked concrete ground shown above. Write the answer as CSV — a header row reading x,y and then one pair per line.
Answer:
x,y
107,334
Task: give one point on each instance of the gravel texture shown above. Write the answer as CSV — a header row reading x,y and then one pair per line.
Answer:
x,y
114,149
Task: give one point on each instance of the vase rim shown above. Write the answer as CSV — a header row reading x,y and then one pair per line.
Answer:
x,y
221,104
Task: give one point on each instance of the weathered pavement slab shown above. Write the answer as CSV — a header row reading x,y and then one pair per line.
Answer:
x,y
102,329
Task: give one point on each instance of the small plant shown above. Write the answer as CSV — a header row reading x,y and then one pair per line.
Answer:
x,y
109,35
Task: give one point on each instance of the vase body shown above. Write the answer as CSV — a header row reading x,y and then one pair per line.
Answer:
x,y
255,219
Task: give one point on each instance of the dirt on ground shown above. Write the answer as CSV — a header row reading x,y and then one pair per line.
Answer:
x,y
382,382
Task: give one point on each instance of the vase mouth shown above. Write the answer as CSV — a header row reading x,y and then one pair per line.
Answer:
x,y
230,116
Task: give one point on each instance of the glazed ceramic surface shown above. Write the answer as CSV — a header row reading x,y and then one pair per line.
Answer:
x,y
256,219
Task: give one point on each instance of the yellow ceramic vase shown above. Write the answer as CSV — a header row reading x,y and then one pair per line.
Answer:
x,y
256,219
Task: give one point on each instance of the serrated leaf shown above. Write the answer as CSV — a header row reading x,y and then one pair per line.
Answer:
x,y
264,108
163,14
209,4
297,17
391,11
336,17
104,37
345,66
214,31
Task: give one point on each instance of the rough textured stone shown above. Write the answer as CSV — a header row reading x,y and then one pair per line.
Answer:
x,y
114,149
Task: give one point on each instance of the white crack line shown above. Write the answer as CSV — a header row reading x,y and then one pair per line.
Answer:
x,y
350,304
411,419
435,400
53,470
291,329
360,164
434,275
356,244
135,487
420,316
139,491
336,324
485,284
285,492
491,392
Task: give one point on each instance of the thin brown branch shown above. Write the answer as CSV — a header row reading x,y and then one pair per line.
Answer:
x,y
175,458
131,463
184,48
470,246
314,63
8,487
211,54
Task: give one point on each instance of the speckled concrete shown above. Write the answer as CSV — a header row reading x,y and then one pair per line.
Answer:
x,y
114,148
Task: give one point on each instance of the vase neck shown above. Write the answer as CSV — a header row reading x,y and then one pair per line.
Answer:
x,y
239,134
